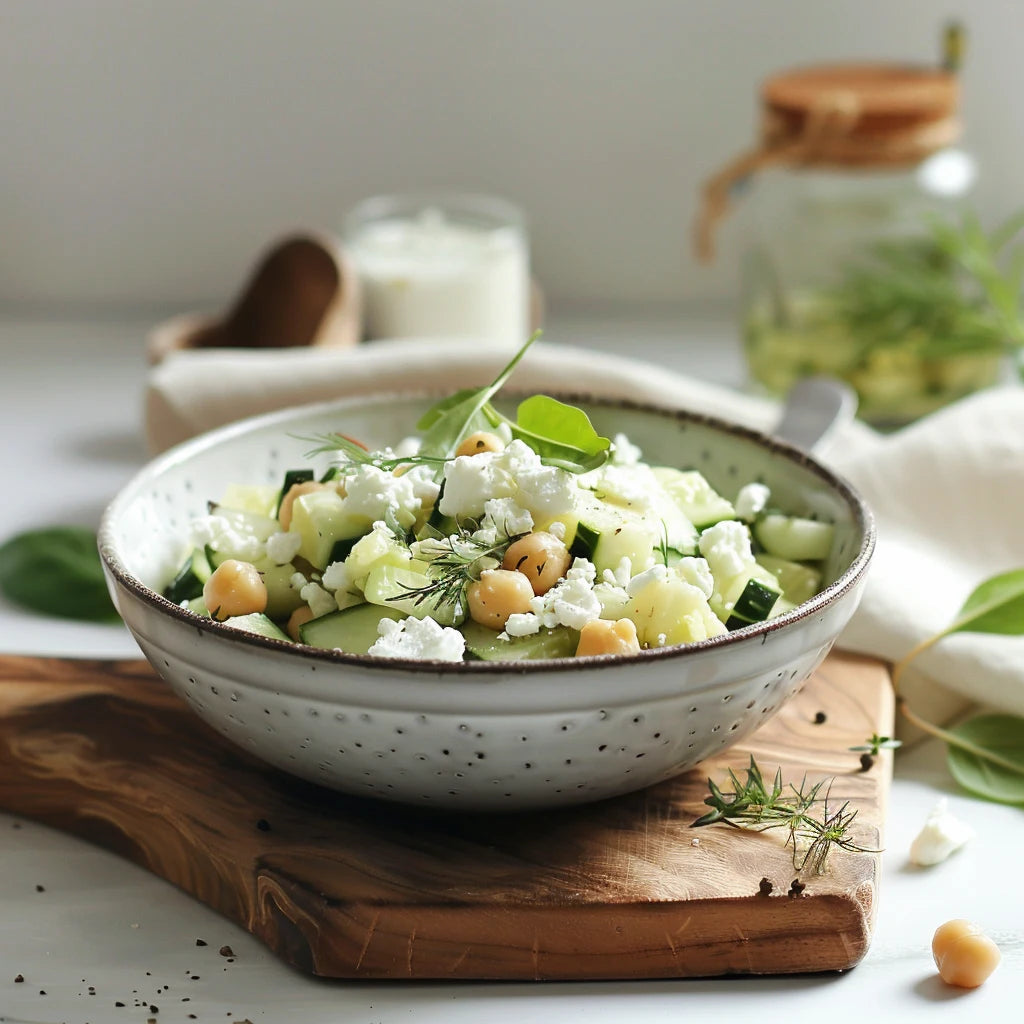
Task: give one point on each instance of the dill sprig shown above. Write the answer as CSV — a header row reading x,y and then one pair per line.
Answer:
x,y
352,454
754,804
453,562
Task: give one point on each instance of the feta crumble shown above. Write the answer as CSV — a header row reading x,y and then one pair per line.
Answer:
x,y
751,501
943,834
416,638
283,547
726,546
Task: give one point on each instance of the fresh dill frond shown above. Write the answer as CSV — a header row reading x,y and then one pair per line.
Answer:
x,y
453,562
352,454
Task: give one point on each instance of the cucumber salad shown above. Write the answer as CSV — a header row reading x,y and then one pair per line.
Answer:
x,y
485,537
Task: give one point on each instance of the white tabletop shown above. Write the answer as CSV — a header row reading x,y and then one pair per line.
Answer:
x,y
102,930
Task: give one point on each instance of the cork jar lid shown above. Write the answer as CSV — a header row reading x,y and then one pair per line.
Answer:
x,y
862,114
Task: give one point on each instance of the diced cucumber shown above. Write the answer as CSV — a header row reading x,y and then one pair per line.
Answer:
x,y
696,498
321,520
259,499
729,591
198,606
291,478
385,583
353,630
794,538
754,604
258,623
799,582
190,579
483,644
376,548
635,540
584,544
282,597
671,611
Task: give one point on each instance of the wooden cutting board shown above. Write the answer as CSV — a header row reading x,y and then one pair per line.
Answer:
x,y
350,888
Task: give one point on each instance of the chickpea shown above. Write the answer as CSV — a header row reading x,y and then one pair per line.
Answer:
x,y
481,441
541,557
498,594
235,588
284,512
603,637
964,954
298,618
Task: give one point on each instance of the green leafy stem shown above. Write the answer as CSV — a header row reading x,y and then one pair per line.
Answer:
x,y
986,752
560,434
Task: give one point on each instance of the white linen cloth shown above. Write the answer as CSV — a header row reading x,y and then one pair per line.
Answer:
x,y
948,492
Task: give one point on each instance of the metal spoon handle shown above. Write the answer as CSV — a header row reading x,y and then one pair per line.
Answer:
x,y
814,408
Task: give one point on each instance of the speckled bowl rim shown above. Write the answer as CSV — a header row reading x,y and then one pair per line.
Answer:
x,y
863,519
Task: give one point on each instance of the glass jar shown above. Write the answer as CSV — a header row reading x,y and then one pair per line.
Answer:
x,y
441,265
852,270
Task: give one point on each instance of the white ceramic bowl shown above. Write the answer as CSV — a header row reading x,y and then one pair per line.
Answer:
x,y
474,735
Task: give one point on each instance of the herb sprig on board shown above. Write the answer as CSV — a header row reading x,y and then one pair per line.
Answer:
x,y
754,804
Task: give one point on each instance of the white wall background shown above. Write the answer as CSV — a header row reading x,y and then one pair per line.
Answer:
x,y
149,150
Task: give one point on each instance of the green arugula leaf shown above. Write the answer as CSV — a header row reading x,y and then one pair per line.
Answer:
x,y
449,422
56,571
987,758
560,434
995,606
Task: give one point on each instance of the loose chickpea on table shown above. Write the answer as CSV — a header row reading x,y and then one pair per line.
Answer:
x,y
964,954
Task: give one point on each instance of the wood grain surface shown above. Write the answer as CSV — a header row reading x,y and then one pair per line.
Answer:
x,y
353,888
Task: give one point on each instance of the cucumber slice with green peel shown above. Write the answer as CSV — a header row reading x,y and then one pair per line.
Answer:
x,y
190,579
260,624
386,584
484,644
584,544
249,524
799,583
794,538
352,630
755,604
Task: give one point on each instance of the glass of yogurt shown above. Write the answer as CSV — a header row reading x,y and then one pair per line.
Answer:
x,y
441,265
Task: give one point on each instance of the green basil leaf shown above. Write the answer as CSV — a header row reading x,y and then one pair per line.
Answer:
x,y
56,571
984,738
995,606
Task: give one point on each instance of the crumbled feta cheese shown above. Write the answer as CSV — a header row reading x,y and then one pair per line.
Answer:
x,y
319,600
522,624
370,492
726,546
337,576
470,481
751,501
547,491
942,835
218,532
620,575
660,640
297,581
418,639
624,452
571,602
507,517
283,547
697,572
424,486
407,446
557,529
656,574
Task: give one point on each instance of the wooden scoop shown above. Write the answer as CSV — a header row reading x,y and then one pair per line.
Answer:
x,y
304,292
